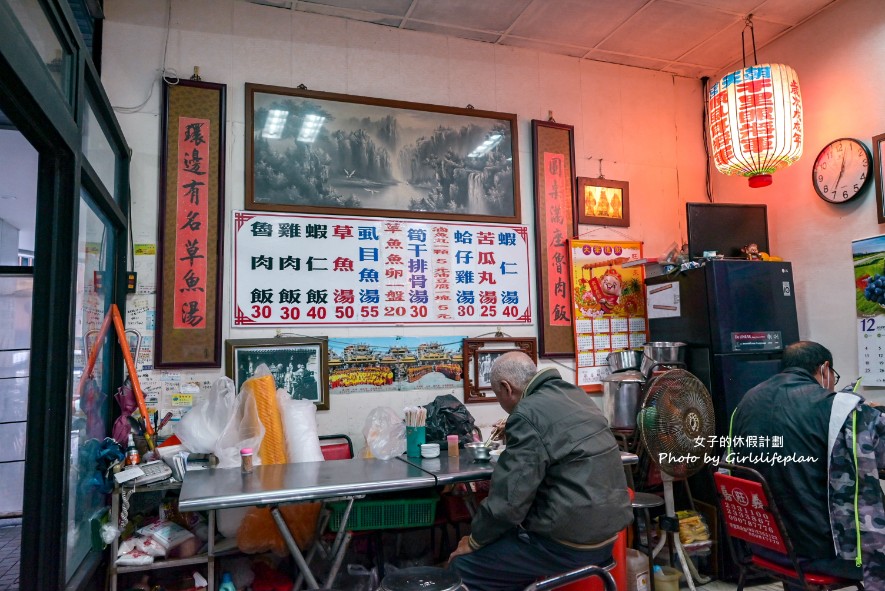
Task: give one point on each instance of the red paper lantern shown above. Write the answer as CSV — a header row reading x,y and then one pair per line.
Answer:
x,y
756,122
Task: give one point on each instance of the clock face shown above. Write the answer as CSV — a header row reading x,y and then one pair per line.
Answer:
x,y
842,170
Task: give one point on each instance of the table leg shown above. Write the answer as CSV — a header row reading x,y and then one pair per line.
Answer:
x,y
342,529
293,548
339,558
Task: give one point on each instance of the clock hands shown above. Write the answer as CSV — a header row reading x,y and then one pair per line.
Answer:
x,y
839,178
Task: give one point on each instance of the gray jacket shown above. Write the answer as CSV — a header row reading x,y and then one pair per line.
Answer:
x,y
561,475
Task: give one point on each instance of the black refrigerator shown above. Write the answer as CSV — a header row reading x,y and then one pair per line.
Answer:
x,y
736,316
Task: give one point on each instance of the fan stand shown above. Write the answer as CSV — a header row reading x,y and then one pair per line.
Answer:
x,y
688,568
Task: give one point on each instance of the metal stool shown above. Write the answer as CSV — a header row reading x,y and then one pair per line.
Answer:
x,y
642,502
421,578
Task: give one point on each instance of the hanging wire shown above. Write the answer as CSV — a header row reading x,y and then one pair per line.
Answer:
x,y
170,75
748,23
705,127
611,229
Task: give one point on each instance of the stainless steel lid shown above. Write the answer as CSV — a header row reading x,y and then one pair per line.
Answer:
x,y
421,578
630,375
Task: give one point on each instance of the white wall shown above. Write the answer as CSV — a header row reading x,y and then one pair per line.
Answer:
x,y
645,125
838,58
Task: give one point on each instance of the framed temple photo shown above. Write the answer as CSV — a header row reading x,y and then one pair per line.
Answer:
x,y
337,154
190,247
478,356
603,202
300,366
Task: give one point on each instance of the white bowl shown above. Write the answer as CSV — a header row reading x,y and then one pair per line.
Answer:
x,y
430,450
496,453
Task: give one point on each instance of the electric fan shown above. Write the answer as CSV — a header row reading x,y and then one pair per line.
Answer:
x,y
675,423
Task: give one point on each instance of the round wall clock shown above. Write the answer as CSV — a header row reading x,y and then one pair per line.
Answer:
x,y
841,170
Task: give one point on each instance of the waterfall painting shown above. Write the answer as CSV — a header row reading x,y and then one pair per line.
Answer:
x,y
324,153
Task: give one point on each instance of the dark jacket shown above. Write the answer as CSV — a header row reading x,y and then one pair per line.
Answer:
x,y
561,475
795,408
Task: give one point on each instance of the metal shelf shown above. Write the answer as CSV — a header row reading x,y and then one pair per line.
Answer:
x,y
207,558
166,563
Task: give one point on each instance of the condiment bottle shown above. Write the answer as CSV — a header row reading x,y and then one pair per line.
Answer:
x,y
246,460
132,456
453,445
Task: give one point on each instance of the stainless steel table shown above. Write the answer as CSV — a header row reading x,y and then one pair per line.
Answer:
x,y
294,483
449,470
464,468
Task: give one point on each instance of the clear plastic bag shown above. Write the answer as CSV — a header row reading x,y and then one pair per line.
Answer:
x,y
300,426
243,429
385,433
200,428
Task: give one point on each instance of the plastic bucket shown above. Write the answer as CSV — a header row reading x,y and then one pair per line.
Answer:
x,y
667,579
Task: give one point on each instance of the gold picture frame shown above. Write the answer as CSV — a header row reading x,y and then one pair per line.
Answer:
x,y
603,202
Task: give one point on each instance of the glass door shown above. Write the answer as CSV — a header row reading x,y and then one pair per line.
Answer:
x,y
96,254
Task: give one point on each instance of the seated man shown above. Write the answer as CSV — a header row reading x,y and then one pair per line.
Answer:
x,y
558,493
796,413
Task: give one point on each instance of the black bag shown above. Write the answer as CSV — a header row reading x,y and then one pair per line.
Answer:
x,y
447,415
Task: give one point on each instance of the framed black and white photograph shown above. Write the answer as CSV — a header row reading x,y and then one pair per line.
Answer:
x,y
480,354
298,365
338,154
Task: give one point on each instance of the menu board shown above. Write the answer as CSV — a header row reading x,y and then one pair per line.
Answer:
x,y
869,287
326,270
609,305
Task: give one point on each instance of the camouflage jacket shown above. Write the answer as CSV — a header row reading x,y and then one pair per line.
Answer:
x,y
849,413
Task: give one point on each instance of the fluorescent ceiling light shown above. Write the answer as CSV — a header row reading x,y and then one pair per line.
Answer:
x,y
310,129
273,126
486,146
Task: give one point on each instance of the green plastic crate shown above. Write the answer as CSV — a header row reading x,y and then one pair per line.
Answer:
x,y
384,514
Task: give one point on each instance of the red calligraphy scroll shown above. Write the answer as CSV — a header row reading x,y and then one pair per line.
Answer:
x,y
559,226
192,227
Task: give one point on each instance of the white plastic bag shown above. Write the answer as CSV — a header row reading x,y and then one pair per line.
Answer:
x,y
243,429
300,426
385,433
200,428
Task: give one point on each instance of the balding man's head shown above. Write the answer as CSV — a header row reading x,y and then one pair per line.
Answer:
x,y
510,374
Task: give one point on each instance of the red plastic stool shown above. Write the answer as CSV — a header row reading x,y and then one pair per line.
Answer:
x,y
619,572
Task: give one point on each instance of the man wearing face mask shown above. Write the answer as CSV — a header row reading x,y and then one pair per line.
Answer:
x,y
796,413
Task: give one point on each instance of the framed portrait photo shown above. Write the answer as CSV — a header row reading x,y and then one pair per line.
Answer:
x,y
338,154
478,356
298,365
603,202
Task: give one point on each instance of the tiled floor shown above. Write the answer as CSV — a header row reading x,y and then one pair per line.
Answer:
x,y
10,546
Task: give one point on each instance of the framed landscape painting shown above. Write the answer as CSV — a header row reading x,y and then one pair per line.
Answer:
x,y
325,153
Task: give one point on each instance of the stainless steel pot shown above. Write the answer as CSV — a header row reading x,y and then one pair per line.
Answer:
x,y
626,359
661,352
622,394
